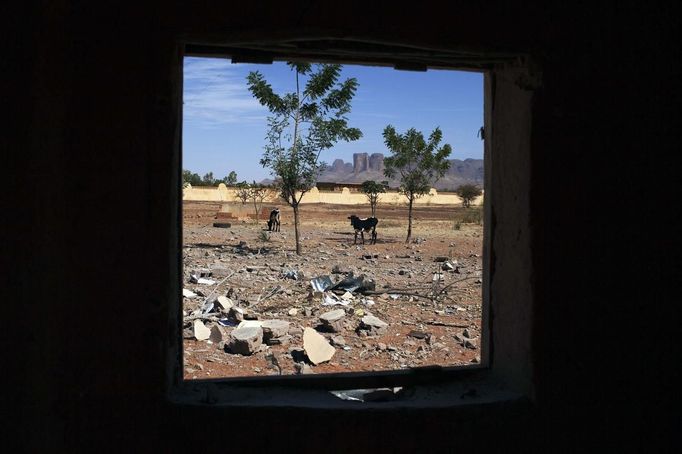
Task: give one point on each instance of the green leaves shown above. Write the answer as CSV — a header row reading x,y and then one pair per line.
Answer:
x,y
303,124
419,163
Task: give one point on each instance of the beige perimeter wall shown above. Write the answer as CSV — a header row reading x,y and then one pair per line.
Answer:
x,y
344,197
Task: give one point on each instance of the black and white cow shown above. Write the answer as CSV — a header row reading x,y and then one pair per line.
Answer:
x,y
364,225
273,222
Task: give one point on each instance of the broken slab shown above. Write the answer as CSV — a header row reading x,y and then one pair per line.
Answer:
x,y
338,341
225,303
249,324
333,320
247,340
188,293
372,326
236,313
316,347
275,331
200,330
217,334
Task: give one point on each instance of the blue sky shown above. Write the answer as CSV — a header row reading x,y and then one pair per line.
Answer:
x,y
224,126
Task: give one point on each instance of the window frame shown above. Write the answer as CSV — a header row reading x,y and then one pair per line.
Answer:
x,y
498,377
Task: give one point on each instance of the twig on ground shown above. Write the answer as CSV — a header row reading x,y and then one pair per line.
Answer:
x,y
191,318
219,284
449,325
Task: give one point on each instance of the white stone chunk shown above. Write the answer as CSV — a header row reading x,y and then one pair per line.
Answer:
x,y
316,347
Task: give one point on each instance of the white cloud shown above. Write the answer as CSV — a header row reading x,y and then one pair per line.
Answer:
x,y
215,93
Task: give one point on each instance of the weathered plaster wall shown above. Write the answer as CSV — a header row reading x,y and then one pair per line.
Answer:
x,y
222,193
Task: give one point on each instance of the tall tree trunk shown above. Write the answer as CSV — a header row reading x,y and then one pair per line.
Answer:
x,y
409,221
255,207
374,209
296,230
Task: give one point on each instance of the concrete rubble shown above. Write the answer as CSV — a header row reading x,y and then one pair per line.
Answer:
x,y
275,332
316,347
200,331
246,340
333,320
259,305
372,326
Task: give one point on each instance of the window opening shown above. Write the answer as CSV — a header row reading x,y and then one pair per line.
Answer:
x,y
253,306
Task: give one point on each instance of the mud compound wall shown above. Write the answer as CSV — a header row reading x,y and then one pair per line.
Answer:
x,y
221,193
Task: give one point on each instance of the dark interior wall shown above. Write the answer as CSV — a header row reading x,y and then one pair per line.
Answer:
x,y
90,92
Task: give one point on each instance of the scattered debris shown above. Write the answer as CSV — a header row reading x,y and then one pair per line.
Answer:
x,y
236,313
200,331
330,299
225,303
273,291
316,347
275,332
200,280
372,326
217,334
333,320
355,284
339,341
322,283
250,324
293,274
246,340
419,334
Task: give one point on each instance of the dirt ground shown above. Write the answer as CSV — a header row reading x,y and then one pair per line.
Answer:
x,y
249,266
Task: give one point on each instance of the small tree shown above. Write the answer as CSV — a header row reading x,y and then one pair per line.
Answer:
x,y
372,189
468,192
230,179
243,192
418,163
208,180
302,124
189,178
258,193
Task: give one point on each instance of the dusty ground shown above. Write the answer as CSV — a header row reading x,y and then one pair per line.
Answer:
x,y
259,266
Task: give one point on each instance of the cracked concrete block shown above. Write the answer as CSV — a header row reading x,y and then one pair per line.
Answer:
x,y
372,325
274,329
333,320
200,330
316,347
225,303
247,340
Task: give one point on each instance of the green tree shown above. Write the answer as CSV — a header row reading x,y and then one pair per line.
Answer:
x,y
301,125
190,178
468,192
372,189
208,180
418,163
230,179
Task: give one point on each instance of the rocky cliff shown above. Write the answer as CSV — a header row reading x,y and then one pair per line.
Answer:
x,y
371,167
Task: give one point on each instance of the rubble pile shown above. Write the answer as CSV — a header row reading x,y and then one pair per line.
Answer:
x,y
253,307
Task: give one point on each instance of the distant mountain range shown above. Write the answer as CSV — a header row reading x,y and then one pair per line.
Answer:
x,y
371,167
